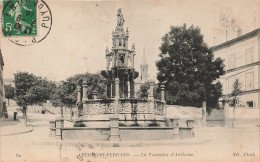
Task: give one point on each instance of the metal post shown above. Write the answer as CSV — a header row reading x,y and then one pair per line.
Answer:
x,y
204,113
226,110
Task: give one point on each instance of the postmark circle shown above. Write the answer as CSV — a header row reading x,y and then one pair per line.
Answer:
x,y
26,22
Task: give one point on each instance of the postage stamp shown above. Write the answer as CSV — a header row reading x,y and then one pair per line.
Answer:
x,y
20,18
26,22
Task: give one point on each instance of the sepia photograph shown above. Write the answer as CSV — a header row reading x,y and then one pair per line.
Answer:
x,y
130,80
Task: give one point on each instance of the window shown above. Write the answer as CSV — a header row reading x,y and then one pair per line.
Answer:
x,y
249,55
250,104
231,61
249,81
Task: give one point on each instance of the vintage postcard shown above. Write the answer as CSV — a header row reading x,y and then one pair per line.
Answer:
x,y
130,80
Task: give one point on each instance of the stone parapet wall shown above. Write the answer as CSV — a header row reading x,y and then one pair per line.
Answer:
x,y
125,106
129,134
126,133
93,134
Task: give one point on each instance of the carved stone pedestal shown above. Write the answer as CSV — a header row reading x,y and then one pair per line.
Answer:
x,y
114,129
190,124
59,126
176,129
52,128
176,133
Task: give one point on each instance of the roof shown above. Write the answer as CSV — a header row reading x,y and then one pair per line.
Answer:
x,y
236,40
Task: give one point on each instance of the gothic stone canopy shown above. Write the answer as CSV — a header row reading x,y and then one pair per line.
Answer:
x,y
120,61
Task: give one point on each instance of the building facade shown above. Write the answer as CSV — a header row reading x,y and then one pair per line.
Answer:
x,y
241,57
1,85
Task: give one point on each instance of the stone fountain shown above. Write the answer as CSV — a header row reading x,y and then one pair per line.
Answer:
x,y
121,116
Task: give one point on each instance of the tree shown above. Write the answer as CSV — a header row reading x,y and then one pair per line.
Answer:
x,y
66,93
234,97
41,91
31,90
9,92
188,68
23,82
58,97
143,91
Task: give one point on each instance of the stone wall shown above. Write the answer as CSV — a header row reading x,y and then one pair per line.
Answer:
x,y
133,109
93,134
126,133
243,116
216,117
183,113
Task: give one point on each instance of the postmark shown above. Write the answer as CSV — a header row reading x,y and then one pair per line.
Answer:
x,y
26,22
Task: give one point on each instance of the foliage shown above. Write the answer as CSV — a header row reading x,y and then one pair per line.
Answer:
x,y
236,92
41,91
143,91
188,68
9,92
94,82
23,83
57,96
214,93
30,89
66,93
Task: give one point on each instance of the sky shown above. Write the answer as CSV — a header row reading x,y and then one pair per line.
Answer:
x,y
81,31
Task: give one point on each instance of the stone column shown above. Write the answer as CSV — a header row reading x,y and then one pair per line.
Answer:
x,y
132,61
117,88
111,90
107,62
128,89
132,89
95,94
162,93
150,91
79,97
116,97
85,93
204,105
226,111
176,129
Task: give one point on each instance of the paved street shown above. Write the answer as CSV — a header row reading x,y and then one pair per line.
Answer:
x,y
224,144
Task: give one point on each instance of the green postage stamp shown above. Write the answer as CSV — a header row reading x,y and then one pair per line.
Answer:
x,y
19,18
